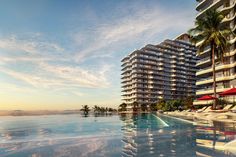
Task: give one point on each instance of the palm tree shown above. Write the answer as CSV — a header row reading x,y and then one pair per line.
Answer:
x,y
110,109
161,104
209,31
144,107
103,110
106,110
122,107
135,106
153,107
188,102
95,109
85,110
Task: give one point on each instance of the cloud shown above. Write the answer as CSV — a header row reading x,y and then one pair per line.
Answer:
x,y
87,55
48,76
52,67
141,26
14,88
28,46
78,94
29,49
77,76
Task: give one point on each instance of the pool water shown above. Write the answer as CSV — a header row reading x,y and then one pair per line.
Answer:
x,y
118,135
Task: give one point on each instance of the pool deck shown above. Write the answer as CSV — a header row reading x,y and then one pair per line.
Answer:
x,y
226,117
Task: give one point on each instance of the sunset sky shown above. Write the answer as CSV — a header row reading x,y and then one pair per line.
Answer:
x,y
62,54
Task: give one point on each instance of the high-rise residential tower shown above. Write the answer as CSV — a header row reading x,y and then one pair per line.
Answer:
x,y
226,70
164,71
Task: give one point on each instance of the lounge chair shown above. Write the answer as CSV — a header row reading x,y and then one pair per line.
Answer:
x,y
229,147
225,109
185,111
207,109
202,109
203,113
233,109
224,117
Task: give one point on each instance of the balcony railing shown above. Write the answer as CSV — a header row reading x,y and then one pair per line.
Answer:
x,y
203,60
211,88
214,2
218,67
230,6
229,18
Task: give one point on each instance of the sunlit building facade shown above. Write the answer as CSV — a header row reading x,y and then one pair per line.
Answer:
x,y
226,70
164,71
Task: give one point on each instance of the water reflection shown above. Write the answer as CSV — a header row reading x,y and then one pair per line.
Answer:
x,y
60,136
125,135
148,135
216,136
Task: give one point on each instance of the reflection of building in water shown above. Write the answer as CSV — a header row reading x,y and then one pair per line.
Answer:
x,y
216,136
146,135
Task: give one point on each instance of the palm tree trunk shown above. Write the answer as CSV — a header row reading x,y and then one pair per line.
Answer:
x,y
214,76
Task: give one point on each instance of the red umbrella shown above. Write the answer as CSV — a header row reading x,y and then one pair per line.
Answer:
x,y
231,91
207,97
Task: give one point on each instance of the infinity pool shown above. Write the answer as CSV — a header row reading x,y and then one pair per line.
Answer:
x,y
119,135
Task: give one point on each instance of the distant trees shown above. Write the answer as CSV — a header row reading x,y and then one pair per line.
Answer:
x,y
144,107
85,109
112,110
161,104
178,104
153,107
188,102
97,110
171,105
135,107
102,110
122,107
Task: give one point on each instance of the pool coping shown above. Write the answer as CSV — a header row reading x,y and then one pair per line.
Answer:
x,y
180,119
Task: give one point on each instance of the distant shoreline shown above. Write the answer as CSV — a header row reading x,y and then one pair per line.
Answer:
x,y
37,112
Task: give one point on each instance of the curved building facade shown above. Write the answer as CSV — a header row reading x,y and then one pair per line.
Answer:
x,y
164,71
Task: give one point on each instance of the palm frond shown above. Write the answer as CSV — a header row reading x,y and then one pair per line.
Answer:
x,y
209,31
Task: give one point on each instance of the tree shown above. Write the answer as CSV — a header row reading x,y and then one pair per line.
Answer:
x,y
188,102
178,104
168,106
111,110
106,110
85,110
96,109
135,106
173,105
161,104
144,107
209,31
122,107
153,107
102,110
